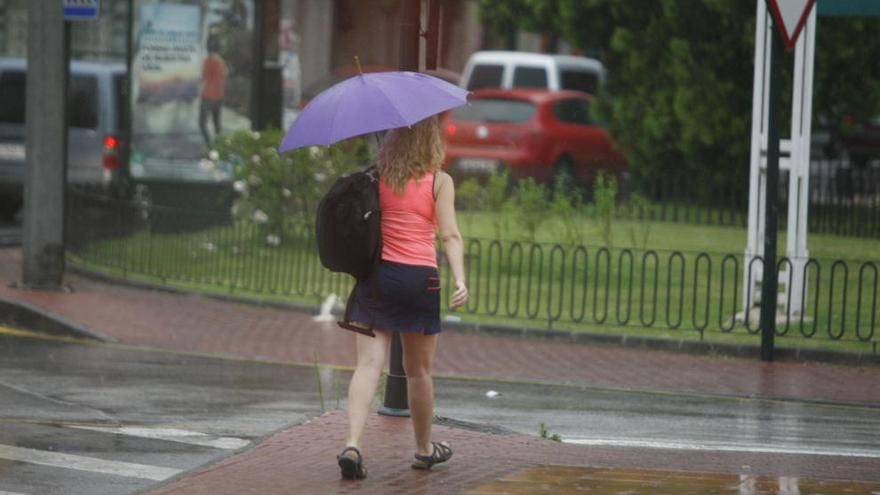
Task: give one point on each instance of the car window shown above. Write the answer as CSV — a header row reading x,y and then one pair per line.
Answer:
x,y
83,103
495,110
12,98
579,80
485,76
573,111
530,77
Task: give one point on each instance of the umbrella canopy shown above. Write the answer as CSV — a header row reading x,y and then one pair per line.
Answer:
x,y
369,103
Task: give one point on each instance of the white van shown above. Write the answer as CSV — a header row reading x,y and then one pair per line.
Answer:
x,y
505,69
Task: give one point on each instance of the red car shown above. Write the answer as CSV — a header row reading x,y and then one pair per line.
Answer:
x,y
533,133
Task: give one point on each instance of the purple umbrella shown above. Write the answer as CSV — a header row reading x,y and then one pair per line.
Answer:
x,y
369,103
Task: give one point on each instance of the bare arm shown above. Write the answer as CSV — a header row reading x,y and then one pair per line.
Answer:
x,y
453,244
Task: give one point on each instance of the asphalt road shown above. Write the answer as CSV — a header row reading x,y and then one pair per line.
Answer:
x,y
99,418
96,419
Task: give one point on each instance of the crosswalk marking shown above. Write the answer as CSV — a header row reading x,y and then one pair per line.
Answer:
x,y
722,447
83,463
173,435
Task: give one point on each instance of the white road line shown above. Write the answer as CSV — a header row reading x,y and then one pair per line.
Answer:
x,y
11,493
82,463
722,447
173,435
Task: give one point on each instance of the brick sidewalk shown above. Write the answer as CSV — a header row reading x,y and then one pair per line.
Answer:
x,y
301,460
195,323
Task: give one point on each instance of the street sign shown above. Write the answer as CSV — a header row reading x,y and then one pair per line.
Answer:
x,y
790,16
81,10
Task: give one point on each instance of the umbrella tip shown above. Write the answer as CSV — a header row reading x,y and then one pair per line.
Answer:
x,y
357,62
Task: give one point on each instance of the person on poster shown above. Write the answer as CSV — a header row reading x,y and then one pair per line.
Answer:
x,y
213,89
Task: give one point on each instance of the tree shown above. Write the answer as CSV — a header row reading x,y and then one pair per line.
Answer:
x,y
678,98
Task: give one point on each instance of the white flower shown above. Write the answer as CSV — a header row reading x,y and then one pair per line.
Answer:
x,y
239,186
206,164
234,210
209,247
256,135
286,193
273,240
314,151
256,159
320,176
213,155
260,216
255,180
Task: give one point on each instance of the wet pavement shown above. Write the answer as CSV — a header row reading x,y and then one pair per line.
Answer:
x,y
94,419
112,418
567,479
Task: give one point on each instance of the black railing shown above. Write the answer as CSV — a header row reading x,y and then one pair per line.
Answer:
x,y
689,295
843,199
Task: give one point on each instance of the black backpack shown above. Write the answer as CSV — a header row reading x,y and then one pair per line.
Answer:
x,y
348,224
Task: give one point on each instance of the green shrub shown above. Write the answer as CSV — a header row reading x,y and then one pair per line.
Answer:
x,y
604,197
280,192
567,206
533,205
497,201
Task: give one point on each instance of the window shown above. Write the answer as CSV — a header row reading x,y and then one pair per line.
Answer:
x,y
83,104
485,76
573,112
12,97
577,80
530,77
495,110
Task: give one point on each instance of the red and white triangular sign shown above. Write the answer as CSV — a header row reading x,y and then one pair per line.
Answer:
x,y
790,15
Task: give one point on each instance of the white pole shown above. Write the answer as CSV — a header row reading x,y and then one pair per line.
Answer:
x,y
760,96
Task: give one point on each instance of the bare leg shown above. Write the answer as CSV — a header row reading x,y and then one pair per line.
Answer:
x,y
418,358
371,354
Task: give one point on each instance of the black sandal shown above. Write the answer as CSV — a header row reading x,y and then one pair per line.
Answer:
x,y
352,469
442,453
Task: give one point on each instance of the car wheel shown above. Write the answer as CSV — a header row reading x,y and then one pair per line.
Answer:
x,y
563,174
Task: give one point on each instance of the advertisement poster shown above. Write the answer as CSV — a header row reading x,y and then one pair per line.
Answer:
x,y
191,83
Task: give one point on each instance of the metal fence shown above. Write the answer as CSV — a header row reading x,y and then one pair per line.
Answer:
x,y
843,200
690,295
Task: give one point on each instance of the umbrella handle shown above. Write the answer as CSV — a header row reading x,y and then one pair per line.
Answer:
x,y
357,62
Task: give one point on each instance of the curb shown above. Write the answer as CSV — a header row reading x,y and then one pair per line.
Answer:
x,y
747,351
26,316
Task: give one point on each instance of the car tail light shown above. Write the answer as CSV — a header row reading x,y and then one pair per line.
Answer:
x,y
111,152
451,130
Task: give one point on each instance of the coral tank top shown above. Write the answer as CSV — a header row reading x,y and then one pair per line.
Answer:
x,y
409,222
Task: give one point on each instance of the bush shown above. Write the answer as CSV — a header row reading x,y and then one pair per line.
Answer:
x,y
532,201
604,197
280,192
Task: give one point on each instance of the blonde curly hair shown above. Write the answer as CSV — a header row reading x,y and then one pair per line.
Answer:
x,y
410,153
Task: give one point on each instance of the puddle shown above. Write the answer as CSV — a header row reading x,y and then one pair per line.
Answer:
x,y
578,480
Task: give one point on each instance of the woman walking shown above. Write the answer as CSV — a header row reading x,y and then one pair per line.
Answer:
x,y
403,292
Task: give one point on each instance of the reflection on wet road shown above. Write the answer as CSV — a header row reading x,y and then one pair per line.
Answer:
x,y
571,480
105,419
638,420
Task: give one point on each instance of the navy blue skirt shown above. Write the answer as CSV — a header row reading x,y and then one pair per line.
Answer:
x,y
397,297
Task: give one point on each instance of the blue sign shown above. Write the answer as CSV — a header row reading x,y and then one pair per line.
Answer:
x,y
81,10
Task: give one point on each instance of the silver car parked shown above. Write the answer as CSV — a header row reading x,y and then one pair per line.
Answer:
x,y
95,115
